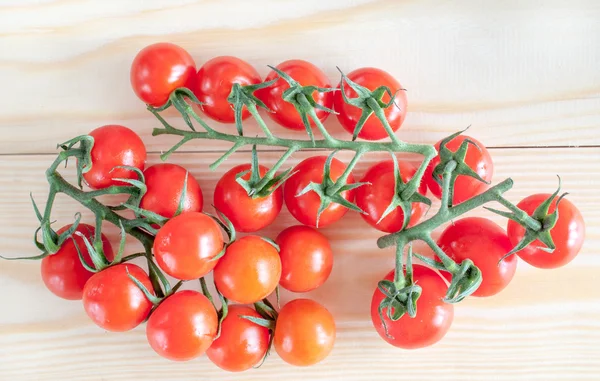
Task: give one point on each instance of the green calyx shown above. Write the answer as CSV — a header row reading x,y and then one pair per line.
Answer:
x,y
257,186
243,96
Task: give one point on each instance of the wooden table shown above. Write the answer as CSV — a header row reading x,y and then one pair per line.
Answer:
x,y
524,74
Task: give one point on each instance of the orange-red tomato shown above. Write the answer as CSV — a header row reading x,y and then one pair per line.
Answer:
x,y
242,344
249,271
306,258
113,301
304,333
183,326
185,247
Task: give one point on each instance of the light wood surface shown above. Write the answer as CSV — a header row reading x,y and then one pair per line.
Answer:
x,y
522,73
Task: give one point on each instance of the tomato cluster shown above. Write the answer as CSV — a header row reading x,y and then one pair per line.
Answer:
x,y
189,244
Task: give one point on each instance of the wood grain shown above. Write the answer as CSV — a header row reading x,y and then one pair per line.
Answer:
x,y
522,73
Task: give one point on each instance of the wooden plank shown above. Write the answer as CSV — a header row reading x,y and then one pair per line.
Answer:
x,y
544,326
520,74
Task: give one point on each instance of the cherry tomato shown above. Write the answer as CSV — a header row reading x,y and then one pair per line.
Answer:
x,y
159,69
113,301
568,234
305,208
433,319
165,184
304,333
185,247
183,326
465,187
242,344
374,197
485,243
247,214
306,258
284,112
214,82
62,272
249,271
349,115
114,146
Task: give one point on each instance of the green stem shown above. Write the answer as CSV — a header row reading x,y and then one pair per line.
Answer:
x,y
341,181
399,279
271,172
523,217
380,114
261,122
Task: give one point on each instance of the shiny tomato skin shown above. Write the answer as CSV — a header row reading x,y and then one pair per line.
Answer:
x,y
242,344
485,243
114,146
306,258
374,198
304,208
465,187
249,271
62,272
164,184
568,234
433,319
247,214
214,82
183,326
158,69
304,333
284,113
113,301
349,115
185,247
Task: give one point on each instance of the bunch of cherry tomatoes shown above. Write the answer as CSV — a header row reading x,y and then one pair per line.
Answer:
x,y
190,245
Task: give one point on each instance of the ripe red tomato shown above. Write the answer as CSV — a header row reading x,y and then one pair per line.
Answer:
x,y
249,271
284,112
114,146
465,187
247,214
306,258
62,272
568,234
375,197
304,333
305,208
183,326
214,82
485,243
242,344
349,115
186,245
113,301
159,69
433,319
165,184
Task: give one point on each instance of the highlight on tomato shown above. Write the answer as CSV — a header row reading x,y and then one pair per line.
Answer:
x,y
159,69
114,146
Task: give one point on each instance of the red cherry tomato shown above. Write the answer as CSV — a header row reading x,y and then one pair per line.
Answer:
x,y
165,184
214,82
114,146
62,272
465,187
433,319
306,258
113,301
249,271
374,197
183,326
305,208
242,344
305,332
349,115
568,234
247,214
485,243
185,247
284,112
159,69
